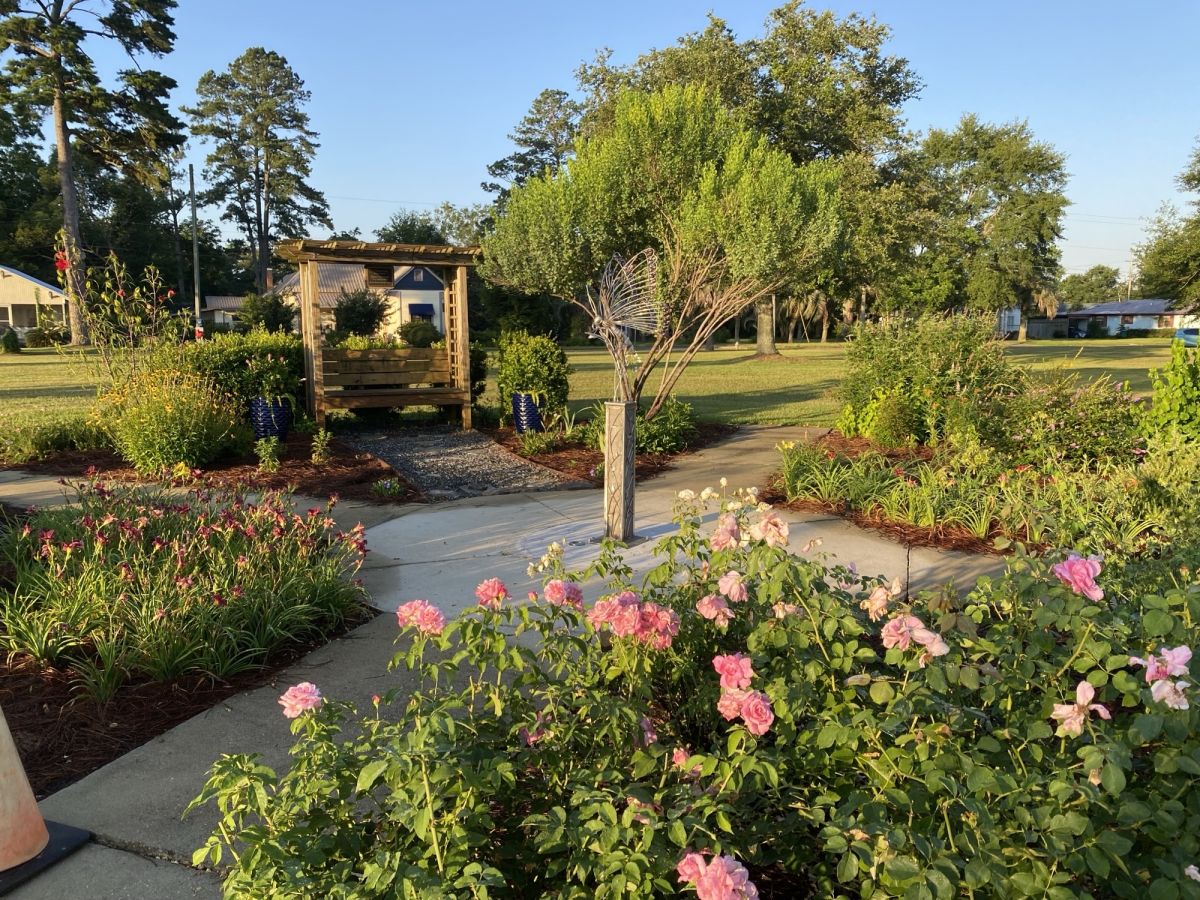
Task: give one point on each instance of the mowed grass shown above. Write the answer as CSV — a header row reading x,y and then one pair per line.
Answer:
x,y
724,385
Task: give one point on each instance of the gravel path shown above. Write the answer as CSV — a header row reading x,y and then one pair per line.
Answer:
x,y
447,463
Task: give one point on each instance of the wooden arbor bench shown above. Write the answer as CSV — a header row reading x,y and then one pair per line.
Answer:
x,y
364,379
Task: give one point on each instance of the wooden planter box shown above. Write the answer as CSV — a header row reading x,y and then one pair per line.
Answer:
x,y
360,379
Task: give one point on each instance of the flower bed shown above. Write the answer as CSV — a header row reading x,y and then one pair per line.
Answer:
x,y
746,722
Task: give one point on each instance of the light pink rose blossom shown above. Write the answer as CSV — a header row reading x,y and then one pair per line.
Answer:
x,y
422,615
898,632
716,609
491,593
564,593
783,610
731,585
679,758
299,699
724,878
736,670
756,712
771,530
1192,872
1170,693
727,535
1168,664
876,604
628,616
1079,574
1071,716
690,868
730,704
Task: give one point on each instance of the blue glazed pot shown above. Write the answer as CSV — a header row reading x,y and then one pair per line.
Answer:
x,y
526,415
270,418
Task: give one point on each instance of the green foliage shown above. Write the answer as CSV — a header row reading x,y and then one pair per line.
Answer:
x,y
165,417
245,366
532,364
419,333
269,312
1175,404
26,441
521,762
10,342
390,488
1170,472
1060,416
343,341
37,338
359,312
135,583
892,419
672,430
268,450
942,366
544,138
321,452
410,227
479,371
1099,284
1166,262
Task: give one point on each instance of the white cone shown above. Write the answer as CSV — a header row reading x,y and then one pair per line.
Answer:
x,y
23,832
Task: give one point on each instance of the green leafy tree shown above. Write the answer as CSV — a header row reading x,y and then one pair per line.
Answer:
x,y
407,227
1099,284
49,70
269,312
730,218
999,194
544,139
262,151
1169,261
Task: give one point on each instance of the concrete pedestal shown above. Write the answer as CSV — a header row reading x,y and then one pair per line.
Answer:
x,y
619,446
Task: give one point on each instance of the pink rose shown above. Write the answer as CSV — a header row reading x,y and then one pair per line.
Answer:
x,y
300,698
736,670
1079,574
756,712
727,535
876,605
422,615
690,868
491,593
1167,664
725,879
564,593
731,585
716,609
1071,716
1170,693
770,529
783,610
898,632
730,704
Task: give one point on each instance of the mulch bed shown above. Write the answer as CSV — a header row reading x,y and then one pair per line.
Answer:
x,y
585,463
349,473
63,735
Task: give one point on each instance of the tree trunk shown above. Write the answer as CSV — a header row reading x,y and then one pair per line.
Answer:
x,y
70,198
175,236
824,326
1023,329
764,310
737,330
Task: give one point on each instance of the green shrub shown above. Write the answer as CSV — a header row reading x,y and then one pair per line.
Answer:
x,y
671,431
321,451
232,360
343,341
38,338
479,371
532,364
419,333
268,451
269,312
23,441
359,312
165,417
1175,404
852,742
10,343
891,420
1060,415
134,583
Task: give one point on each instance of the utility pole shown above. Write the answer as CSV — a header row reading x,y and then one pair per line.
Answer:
x,y
195,253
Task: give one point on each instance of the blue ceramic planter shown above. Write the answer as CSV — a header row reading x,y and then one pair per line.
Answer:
x,y
270,418
526,415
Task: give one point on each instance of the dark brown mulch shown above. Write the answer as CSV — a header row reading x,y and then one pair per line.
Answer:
x,y
63,735
583,462
349,473
851,448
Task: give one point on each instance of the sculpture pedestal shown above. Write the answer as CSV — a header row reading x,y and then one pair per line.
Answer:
x,y
619,446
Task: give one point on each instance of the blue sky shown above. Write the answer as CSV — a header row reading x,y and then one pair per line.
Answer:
x,y
413,99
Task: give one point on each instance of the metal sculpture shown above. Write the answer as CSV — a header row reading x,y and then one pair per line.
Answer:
x,y
627,300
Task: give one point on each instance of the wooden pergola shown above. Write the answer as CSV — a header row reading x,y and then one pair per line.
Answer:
x,y
358,379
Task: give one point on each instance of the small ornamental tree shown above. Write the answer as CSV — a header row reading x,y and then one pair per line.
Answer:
x,y
730,218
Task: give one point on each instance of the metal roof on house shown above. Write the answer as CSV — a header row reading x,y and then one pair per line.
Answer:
x,y
332,279
224,303
1127,308
6,272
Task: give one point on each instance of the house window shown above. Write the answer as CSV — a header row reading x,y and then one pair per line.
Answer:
x,y
418,274
4,315
24,315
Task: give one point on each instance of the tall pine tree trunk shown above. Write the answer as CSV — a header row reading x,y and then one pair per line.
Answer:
x,y
824,325
70,200
764,310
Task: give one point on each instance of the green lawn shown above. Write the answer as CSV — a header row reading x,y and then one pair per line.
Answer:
x,y
726,385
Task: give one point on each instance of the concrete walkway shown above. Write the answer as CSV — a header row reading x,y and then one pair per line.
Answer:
x,y
134,805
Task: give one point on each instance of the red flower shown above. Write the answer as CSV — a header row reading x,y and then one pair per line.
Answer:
x,y
61,263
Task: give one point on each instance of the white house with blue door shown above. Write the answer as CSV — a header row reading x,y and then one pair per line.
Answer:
x,y
419,294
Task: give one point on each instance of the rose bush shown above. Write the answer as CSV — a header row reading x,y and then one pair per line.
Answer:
x,y
827,736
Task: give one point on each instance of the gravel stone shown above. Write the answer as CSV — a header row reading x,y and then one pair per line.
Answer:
x,y
447,463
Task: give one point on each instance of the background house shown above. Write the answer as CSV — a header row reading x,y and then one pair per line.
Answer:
x,y
1123,315
413,292
221,312
20,297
